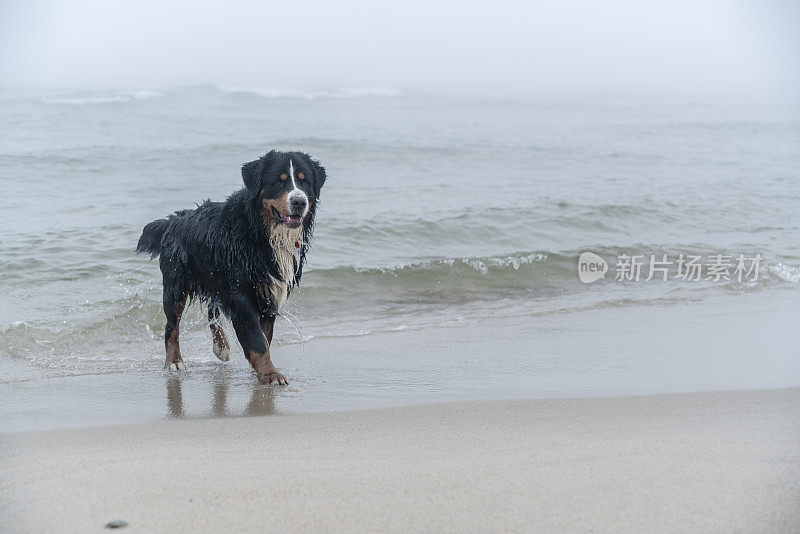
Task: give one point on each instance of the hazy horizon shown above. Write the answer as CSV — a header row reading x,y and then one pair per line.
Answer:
x,y
509,48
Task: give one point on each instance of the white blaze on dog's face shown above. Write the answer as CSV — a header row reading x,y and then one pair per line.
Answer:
x,y
297,199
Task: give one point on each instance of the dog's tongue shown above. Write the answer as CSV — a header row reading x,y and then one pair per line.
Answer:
x,y
294,218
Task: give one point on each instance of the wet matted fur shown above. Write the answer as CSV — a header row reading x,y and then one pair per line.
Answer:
x,y
242,256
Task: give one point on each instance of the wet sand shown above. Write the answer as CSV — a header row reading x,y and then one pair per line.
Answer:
x,y
696,462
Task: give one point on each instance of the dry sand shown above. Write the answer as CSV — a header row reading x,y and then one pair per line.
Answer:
x,y
697,462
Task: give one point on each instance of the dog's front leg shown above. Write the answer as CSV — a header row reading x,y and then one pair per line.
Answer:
x,y
268,326
254,343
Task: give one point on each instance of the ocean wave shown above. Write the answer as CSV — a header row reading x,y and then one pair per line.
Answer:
x,y
355,92
122,329
101,98
443,280
85,98
526,271
787,273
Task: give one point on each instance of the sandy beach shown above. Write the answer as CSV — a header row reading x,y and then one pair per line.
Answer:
x,y
551,283
696,462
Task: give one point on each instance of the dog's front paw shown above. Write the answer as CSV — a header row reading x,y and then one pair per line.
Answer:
x,y
174,363
273,379
177,366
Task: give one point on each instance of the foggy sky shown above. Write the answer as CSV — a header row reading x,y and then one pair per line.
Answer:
x,y
498,46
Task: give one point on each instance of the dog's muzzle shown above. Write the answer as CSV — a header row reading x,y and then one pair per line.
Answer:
x,y
298,203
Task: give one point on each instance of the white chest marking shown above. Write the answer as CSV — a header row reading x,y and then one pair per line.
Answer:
x,y
284,241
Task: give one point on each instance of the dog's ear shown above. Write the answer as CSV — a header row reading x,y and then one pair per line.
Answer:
x,y
319,176
251,175
251,172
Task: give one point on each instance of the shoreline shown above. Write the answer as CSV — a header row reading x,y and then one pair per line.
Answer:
x,y
737,342
712,461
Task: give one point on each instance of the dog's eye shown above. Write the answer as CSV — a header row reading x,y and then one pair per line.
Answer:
x,y
301,175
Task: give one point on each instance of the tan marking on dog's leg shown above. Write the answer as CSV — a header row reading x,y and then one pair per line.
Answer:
x,y
268,326
265,370
263,292
222,349
174,360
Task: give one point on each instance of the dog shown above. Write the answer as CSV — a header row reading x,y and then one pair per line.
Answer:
x,y
242,257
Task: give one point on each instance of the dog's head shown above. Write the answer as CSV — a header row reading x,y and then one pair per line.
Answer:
x,y
285,187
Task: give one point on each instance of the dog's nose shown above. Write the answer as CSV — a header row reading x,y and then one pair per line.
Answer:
x,y
297,203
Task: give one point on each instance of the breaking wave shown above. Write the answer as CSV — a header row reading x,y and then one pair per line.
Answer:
x,y
355,92
123,331
102,98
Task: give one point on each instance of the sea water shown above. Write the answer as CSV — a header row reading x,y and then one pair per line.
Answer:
x,y
438,212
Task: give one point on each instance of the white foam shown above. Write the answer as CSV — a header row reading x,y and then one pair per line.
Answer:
x,y
105,98
787,273
356,92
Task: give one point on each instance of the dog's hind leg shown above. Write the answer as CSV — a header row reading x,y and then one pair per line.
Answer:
x,y
222,349
173,309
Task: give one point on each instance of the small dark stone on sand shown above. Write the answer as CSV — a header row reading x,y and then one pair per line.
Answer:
x,y
117,523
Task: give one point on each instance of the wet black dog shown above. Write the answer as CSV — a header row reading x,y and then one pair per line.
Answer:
x,y
242,256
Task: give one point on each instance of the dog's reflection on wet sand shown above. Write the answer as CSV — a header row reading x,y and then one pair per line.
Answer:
x,y
262,400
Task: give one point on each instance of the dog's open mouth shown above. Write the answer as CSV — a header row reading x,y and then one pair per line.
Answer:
x,y
292,221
